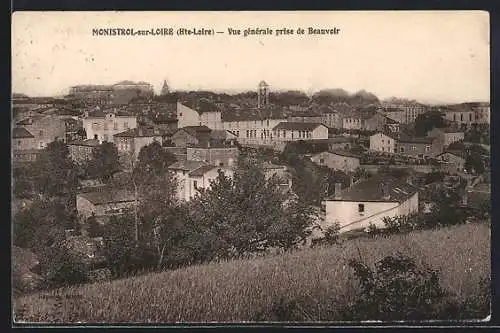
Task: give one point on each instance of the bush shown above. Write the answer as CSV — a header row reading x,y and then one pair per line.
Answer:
x,y
398,289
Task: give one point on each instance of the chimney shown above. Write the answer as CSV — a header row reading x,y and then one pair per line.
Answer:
x,y
385,192
338,191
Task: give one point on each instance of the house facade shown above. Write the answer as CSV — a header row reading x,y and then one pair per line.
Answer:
x,y
445,137
200,113
369,202
253,131
419,147
383,143
45,129
288,131
191,176
103,126
337,160
191,136
460,116
81,151
218,155
452,161
103,204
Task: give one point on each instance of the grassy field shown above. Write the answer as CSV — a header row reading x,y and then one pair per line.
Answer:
x,y
235,291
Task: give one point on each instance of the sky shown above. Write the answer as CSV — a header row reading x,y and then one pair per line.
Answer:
x,y
430,56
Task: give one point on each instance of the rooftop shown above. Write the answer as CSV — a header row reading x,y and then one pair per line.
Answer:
x,y
202,105
89,143
111,196
415,139
371,189
252,114
142,132
344,153
202,170
21,133
186,165
296,126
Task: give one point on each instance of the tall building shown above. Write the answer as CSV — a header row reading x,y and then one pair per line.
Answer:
x,y
263,94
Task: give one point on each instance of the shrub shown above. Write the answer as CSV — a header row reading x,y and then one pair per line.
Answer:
x,y
398,289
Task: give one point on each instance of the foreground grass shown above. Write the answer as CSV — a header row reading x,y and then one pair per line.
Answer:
x,y
235,291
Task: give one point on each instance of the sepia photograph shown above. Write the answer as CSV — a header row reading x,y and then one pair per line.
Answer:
x,y
239,167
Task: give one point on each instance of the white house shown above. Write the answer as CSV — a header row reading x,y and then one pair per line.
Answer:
x,y
194,175
199,113
103,126
292,131
369,202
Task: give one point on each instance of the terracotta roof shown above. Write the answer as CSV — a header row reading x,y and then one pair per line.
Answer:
x,y
296,126
142,132
112,196
187,165
21,133
371,189
194,130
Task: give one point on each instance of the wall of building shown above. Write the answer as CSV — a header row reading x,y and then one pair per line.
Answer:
x,y
346,213
85,208
212,120
375,168
46,130
382,142
187,116
23,143
336,162
215,156
258,132
418,149
463,117
184,139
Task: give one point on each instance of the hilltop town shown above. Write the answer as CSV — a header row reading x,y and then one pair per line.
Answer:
x,y
102,154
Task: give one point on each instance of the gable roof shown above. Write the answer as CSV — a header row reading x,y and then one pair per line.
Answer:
x,y
457,152
297,126
250,114
187,165
371,189
21,133
111,196
415,139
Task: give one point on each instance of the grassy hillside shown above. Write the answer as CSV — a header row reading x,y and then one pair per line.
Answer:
x,y
237,290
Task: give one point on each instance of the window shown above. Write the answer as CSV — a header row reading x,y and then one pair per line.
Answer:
x,y
470,116
41,133
95,136
382,140
267,122
180,114
383,149
413,148
41,144
221,164
388,141
284,134
427,148
195,184
361,209
420,155
18,142
321,160
402,149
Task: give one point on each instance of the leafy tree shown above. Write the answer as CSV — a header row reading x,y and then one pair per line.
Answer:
x,y
56,174
62,269
105,161
119,244
40,225
153,160
23,180
249,214
474,161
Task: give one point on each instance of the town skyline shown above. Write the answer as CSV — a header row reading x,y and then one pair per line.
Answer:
x,y
438,57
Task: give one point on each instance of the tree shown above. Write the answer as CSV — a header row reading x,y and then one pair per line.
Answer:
x,y
119,249
56,174
427,121
41,225
249,214
105,161
474,161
